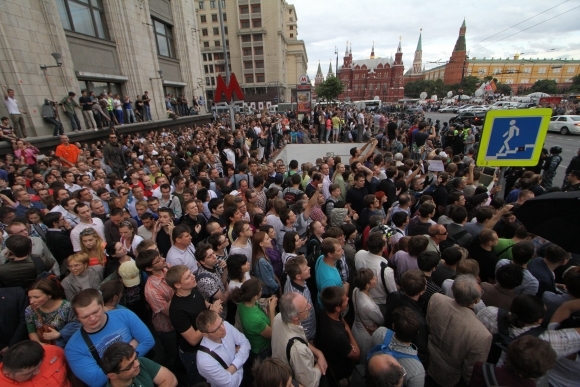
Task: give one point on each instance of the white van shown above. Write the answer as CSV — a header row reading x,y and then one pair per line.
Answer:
x,y
504,105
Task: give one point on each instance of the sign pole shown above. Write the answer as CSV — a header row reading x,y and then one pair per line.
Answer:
x,y
227,64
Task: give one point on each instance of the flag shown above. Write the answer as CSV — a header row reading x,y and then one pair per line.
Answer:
x,y
492,85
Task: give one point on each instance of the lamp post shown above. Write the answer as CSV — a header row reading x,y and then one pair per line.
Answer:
x,y
336,68
227,64
58,59
160,72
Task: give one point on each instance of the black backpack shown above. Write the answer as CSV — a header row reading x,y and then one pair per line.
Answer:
x,y
290,197
451,240
502,338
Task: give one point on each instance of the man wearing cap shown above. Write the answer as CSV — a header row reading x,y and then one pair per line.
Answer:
x,y
573,183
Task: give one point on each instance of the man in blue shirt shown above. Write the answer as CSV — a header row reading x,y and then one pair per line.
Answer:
x,y
326,272
99,331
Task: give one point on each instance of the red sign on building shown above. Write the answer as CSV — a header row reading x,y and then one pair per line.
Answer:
x,y
229,90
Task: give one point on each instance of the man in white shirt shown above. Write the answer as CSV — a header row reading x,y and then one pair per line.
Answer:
x,y
223,350
66,208
372,259
182,252
69,182
325,170
14,112
86,221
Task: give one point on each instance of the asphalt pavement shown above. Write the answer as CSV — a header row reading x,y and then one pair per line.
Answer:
x,y
569,143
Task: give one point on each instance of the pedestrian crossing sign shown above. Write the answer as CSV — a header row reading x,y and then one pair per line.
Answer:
x,y
513,138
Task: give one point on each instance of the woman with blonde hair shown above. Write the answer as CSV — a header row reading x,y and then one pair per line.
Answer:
x,y
82,276
93,246
338,179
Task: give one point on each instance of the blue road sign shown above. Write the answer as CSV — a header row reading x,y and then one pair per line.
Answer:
x,y
513,137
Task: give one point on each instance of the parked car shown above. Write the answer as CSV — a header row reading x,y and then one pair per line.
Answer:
x,y
526,105
448,109
565,124
474,118
414,109
464,108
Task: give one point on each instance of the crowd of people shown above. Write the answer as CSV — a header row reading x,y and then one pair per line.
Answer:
x,y
196,257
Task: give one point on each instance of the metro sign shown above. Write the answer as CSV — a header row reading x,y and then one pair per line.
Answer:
x,y
303,79
232,88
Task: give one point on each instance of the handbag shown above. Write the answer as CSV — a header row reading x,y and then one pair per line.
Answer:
x,y
43,328
262,142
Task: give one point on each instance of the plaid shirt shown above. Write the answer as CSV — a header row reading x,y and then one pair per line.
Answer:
x,y
316,214
261,200
158,294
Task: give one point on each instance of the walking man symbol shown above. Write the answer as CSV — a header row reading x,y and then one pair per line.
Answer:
x,y
511,133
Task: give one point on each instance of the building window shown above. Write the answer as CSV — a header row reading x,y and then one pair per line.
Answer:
x,y
217,43
259,64
248,64
223,3
226,31
216,31
214,18
201,7
556,70
482,70
249,78
227,42
525,80
203,19
571,69
542,70
205,57
205,69
244,10
257,37
247,51
213,81
258,50
257,23
291,35
246,39
206,44
256,8
260,78
496,70
211,68
212,4
204,31
527,70
164,39
101,87
509,81
207,81
84,17
220,68
218,56
291,28
225,17
245,24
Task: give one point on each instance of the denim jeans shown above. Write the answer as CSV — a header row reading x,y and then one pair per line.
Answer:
x,y
57,125
130,115
189,361
74,121
147,113
119,115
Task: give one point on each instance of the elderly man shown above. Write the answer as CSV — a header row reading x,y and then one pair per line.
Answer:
x,y
435,235
289,341
457,338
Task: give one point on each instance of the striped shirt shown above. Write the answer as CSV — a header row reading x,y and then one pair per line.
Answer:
x,y
158,294
309,324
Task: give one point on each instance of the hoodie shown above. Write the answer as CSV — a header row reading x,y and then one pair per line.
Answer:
x,y
48,110
416,227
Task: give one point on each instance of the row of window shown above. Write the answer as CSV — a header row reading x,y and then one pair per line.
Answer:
x,y
212,4
246,51
248,78
216,43
244,9
208,69
256,23
216,31
249,38
525,70
214,18
248,64
216,56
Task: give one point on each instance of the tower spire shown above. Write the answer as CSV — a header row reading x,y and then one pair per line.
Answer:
x,y
460,43
399,47
350,50
330,69
373,51
417,61
346,51
319,72
419,43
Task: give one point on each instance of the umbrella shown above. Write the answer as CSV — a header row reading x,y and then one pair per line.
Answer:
x,y
555,217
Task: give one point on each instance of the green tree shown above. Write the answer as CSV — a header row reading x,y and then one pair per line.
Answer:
x,y
575,88
330,89
545,86
503,88
470,84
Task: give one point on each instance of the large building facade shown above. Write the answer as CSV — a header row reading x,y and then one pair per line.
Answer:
x,y
366,79
117,46
519,73
262,45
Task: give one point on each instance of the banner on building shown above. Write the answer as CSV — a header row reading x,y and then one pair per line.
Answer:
x,y
304,98
268,104
260,105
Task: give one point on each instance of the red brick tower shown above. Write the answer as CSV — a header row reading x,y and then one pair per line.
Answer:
x,y
397,91
458,61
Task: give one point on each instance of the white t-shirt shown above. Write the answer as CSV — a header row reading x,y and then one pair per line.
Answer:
x,y
11,105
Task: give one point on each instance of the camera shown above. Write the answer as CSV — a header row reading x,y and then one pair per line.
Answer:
x,y
386,230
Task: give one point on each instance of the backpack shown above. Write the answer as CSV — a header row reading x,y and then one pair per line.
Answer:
x,y
325,205
451,240
384,348
290,197
502,338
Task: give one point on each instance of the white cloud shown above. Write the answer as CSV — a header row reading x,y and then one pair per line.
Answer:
x,y
324,24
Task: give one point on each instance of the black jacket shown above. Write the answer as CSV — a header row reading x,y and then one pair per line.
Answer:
x,y
388,187
13,302
59,244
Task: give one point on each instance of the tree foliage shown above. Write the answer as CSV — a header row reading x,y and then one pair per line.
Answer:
x,y
330,89
414,89
545,86
503,88
575,88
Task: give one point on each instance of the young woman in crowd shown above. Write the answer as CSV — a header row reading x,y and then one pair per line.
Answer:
x,y
93,246
274,253
82,276
263,268
128,238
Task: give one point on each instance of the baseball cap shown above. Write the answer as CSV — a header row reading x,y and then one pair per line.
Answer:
x,y
129,274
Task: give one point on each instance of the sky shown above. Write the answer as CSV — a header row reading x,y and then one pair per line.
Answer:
x,y
326,24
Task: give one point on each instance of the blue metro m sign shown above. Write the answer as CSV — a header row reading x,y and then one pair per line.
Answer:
x,y
232,88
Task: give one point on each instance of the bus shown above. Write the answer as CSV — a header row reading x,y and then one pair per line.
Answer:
x,y
409,101
369,105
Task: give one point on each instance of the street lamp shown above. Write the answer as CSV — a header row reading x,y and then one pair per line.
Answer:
x,y
336,68
57,57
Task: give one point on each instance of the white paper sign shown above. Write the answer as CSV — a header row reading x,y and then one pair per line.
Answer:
x,y
436,166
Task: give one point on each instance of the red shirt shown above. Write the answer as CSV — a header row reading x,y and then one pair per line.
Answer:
x,y
70,153
52,371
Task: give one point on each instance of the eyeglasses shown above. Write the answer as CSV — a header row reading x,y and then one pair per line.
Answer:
x,y
112,136
308,307
217,329
157,260
444,233
131,364
88,231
